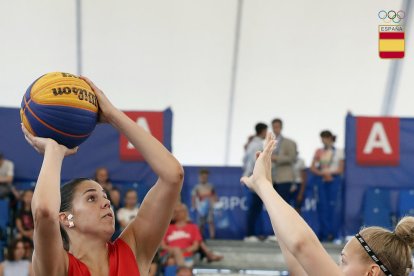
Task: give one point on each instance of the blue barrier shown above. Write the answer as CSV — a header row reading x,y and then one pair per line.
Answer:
x,y
406,203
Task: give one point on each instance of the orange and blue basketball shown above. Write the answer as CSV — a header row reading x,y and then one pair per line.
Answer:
x,y
60,106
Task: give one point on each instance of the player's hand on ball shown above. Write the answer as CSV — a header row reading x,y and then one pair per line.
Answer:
x,y
106,108
40,144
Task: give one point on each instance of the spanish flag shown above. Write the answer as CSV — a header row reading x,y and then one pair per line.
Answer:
x,y
391,42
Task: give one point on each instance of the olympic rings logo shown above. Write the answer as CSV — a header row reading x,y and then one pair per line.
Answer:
x,y
391,16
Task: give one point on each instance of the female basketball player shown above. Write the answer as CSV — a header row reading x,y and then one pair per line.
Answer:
x,y
81,210
373,251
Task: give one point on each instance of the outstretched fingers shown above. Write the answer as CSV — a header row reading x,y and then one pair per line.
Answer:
x,y
268,138
270,145
262,167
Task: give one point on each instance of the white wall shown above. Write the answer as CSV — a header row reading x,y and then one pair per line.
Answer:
x,y
308,62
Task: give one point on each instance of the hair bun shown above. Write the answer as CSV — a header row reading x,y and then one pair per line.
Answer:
x,y
405,230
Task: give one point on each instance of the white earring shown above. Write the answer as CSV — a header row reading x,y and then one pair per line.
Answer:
x,y
70,220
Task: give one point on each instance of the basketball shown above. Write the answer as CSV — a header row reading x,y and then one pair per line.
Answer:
x,y
60,106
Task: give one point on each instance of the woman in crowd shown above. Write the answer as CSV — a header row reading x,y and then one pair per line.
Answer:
x,y
328,167
15,264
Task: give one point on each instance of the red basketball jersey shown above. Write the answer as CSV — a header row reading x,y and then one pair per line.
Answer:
x,y
122,261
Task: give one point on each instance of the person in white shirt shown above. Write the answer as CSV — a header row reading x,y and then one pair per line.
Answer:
x,y
254,203
15,264
6,178
128,213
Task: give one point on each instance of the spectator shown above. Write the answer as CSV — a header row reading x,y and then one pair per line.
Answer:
x,y
115,195
116,205
249,139
299,187
7,190
328,166
283,159
24,218
181,240
126,214
15,264
254,203
102,177
28,249
203,198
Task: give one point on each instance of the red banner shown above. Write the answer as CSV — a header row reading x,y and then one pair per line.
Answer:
x,y
378,141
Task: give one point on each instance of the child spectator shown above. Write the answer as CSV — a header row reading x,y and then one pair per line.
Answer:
x,y
203,199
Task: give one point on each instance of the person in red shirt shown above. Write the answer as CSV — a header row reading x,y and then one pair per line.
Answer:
x,y
181,240
74,223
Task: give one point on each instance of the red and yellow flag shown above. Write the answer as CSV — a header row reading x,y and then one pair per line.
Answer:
x,y
391,41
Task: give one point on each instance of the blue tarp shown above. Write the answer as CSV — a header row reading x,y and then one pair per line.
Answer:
x,y
102,150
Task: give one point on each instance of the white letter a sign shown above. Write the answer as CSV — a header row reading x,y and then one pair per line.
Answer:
x,y
377,139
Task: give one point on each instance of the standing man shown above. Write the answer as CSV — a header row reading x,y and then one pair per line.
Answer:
x,y
255,204
283,160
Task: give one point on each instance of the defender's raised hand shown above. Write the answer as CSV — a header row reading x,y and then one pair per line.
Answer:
x,y
262,168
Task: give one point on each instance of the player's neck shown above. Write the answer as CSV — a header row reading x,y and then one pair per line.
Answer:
x,y
81,248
